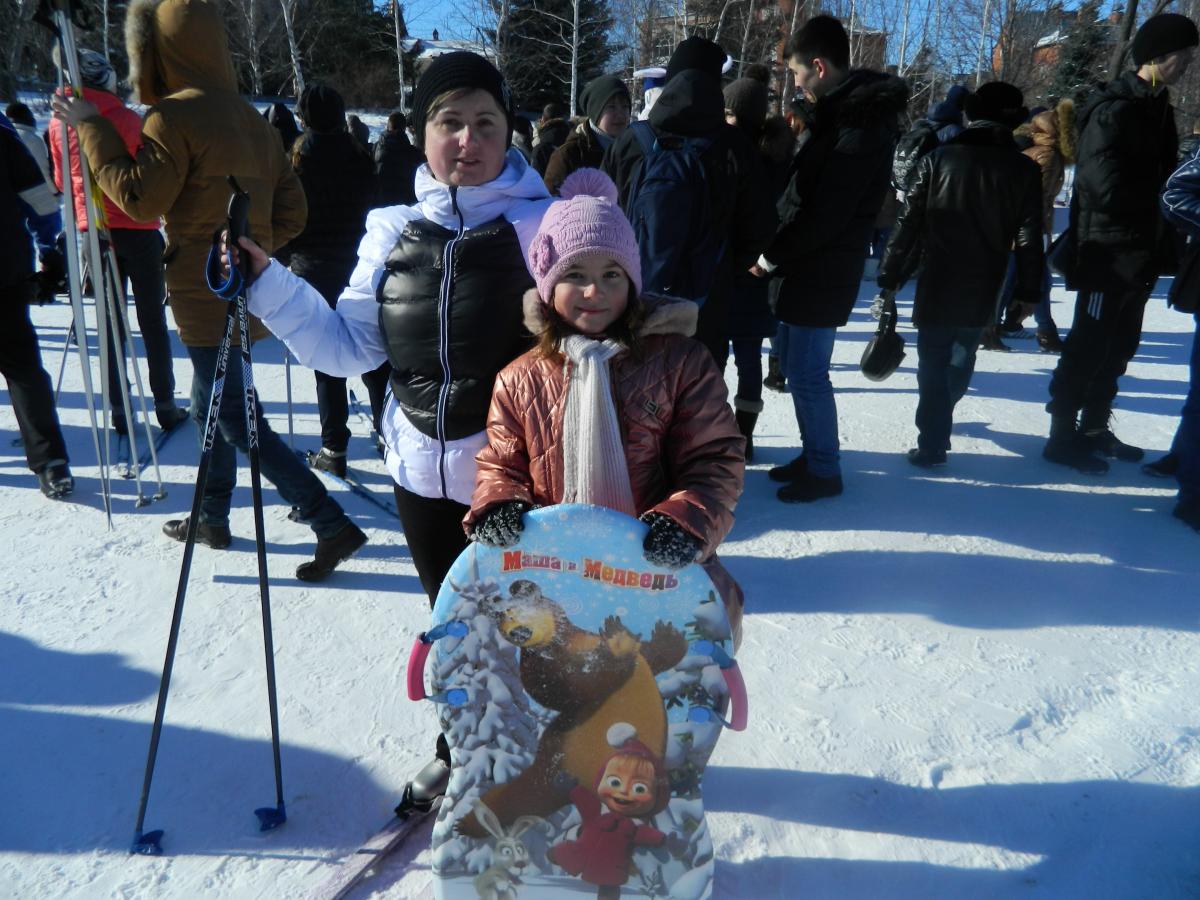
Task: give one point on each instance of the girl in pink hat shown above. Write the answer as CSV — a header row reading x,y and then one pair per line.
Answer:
x,y
616,405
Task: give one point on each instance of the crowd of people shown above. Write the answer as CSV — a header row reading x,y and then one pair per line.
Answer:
x,y
545,318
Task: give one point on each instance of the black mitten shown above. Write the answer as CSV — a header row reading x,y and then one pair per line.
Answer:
x,y
668,545
500,525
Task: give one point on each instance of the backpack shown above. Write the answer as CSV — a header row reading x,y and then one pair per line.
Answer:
x,y
914,144
670,207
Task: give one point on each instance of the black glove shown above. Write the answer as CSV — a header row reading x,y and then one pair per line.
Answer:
x,y
52,275
668,545
500,525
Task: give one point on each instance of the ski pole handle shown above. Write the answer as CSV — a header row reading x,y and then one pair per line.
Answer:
x,y
238,216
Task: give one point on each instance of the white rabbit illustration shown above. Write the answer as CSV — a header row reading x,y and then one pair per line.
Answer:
x,y
509,856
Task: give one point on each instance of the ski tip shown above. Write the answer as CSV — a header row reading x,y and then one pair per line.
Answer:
x,y
147,844
270,817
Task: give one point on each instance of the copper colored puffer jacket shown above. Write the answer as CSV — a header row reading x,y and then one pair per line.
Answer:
x,y
686,457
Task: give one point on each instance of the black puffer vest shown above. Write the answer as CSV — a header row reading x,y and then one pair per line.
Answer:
x,y
450,312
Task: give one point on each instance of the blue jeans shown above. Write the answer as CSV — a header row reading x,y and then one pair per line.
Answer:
x,y
1187,438
945,364
1041,313
809,351
293,479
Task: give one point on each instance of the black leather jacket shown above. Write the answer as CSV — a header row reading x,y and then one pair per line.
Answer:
x,y
970,201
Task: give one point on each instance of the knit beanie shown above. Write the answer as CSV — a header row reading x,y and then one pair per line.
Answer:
x,y
322,109
585,222
597,92
746,98
1163,34
997,101
94,69
623,738
697,53
458,71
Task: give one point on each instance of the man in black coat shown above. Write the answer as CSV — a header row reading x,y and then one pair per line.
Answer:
x,y
827,216
1118,241
27,206
740,205
339,182
396,164
969,201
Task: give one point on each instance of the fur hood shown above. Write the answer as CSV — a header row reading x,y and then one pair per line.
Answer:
x,y
1054,128
865,99
664,315
174,45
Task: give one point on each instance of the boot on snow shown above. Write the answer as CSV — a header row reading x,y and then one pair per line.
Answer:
x,y
746,420
332,551
775,380
331,461
1068,447
1097,430
216,536
429,784
55,480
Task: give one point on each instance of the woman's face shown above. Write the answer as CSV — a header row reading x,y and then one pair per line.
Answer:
x,y
614,118
592,294
466,140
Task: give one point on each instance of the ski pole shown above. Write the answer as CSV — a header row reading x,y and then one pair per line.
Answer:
x,y
287,377
239,210
149,844
62,363
109,276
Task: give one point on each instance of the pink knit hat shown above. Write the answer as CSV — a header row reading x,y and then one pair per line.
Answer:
x,y
586,222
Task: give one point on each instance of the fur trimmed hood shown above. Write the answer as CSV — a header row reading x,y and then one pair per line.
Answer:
x,y
664,315
174,45
865,99
1054,129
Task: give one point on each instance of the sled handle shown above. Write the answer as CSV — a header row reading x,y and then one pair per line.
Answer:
x,y
419,654
739,708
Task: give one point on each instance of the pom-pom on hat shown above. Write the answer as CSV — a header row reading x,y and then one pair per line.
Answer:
x,y
586,221
1161,35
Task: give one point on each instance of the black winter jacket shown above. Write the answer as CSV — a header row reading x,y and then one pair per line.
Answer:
x,y
339,185
1127,148
24,198
970,201
692,106
836,190
396,164
450,308
550,137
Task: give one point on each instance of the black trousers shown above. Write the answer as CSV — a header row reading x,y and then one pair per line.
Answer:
x,y
434,533
29,384
139,255
1103,339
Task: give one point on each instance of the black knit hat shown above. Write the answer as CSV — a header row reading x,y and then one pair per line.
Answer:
x,y
460,70
322,109
598,92
746,98
997,101
697,53
1163,34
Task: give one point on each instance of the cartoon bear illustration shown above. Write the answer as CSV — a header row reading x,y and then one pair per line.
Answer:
x,y
592,680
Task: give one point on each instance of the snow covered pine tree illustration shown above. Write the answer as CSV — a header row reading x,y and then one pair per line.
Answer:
x,y
559,832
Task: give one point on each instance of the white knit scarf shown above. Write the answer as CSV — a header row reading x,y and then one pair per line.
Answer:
x,y
594,466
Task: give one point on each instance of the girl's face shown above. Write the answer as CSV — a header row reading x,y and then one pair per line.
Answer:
x,y
614,118
627,786
592,294
465,140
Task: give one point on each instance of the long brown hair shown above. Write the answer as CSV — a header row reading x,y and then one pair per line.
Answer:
x,y
624,330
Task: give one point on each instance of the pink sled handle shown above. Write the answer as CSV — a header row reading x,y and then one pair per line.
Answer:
x,y
739,710
416,667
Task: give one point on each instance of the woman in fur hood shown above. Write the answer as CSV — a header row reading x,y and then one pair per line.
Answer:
x,y
1049,140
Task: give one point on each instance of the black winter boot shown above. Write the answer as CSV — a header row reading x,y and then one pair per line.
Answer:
x,y
331,551
1096,429
1069,448
331,461
215,536
775,380
746,412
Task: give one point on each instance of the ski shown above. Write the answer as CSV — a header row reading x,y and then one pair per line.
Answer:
x,y
351,871
124,464
353,483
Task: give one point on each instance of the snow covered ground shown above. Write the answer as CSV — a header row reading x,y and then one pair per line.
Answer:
x,y
979,682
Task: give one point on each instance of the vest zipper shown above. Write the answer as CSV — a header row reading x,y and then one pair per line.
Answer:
x,y
444,338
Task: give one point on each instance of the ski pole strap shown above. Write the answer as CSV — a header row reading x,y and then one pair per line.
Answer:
x,y
420,653
227,288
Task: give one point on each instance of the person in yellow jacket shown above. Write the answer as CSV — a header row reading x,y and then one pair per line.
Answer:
x,y
197,131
